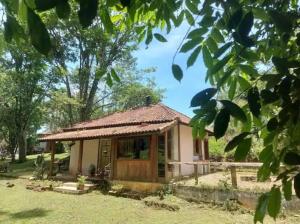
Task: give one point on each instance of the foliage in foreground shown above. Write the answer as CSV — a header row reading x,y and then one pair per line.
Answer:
x,y
249,47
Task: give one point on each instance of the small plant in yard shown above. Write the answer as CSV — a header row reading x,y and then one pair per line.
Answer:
x,y
40,167
104,186
92,170
80,182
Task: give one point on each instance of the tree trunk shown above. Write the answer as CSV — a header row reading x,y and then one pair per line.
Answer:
x,y
22,146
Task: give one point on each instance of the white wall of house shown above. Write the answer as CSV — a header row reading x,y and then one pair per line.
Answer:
x,y
74,153
89,156
186,149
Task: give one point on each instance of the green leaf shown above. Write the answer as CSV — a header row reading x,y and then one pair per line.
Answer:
x,y
287,190
254,101
177,72
192,58
115,76
189,17
274,203
221,123
224,78
149,36
217,36
266,155
243,40
235,19
87,12
292,158
207,59
232,89
297,185
246,24
264,172
203,97
38,33
272,124
268,96
282,21
222,49
192,6
236,141
160,38
109,81
242,150
43,5
234,110
8,29
261,208
220,64
211,44
249,70
190,44
63,9
196,33
244,84
105,18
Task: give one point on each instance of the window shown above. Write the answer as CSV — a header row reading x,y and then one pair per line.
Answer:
x,y
161,156
133,148
198,148
170,144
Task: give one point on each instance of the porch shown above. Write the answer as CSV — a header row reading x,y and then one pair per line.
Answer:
x,y
148,157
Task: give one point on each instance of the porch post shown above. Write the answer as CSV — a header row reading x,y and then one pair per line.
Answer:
x,y
166,157
80,157
153,156
179,149
52,149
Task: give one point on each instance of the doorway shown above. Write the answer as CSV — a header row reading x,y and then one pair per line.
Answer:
x,y
104,153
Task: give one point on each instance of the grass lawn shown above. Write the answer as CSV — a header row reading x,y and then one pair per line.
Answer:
x,y
18,205
25,169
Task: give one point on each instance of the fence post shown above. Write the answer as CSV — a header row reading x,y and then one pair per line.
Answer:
x,y
233,176
196,173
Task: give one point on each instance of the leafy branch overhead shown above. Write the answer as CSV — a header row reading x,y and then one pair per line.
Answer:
x,y
251,52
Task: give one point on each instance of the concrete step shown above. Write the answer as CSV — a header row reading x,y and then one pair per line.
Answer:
x,y
74,185
70,190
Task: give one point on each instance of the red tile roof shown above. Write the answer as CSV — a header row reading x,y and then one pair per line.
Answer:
x,y
148,114
109,131
153,118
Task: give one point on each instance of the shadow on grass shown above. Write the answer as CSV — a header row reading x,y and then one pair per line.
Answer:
x,y
31,213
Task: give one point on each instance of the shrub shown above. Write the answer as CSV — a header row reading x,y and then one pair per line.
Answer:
x,y
40,167
92,170
59,148
104,186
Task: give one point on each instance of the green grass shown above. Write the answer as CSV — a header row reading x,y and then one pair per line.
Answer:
x,y
18,205
26,168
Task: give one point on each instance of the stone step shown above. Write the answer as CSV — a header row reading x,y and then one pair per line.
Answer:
x,y
74,185
71,190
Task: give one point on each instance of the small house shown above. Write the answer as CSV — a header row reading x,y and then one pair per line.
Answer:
x,y
152,143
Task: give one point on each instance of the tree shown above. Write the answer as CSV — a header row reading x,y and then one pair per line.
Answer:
x,y
93,53
252,47
25,81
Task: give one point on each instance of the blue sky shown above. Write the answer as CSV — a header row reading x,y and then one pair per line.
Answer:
x,y
159,55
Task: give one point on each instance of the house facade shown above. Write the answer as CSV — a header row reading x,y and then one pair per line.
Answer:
x,y
146,144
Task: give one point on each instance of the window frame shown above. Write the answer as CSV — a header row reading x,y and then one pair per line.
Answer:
x,y
133,137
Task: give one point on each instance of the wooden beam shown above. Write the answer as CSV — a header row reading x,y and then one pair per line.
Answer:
x,y
113,156
79,166
98,157
52,148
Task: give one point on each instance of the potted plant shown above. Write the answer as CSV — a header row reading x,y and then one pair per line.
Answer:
x,y
80,182
92,170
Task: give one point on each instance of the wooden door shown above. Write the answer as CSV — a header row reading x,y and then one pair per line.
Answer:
x,y
104,155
